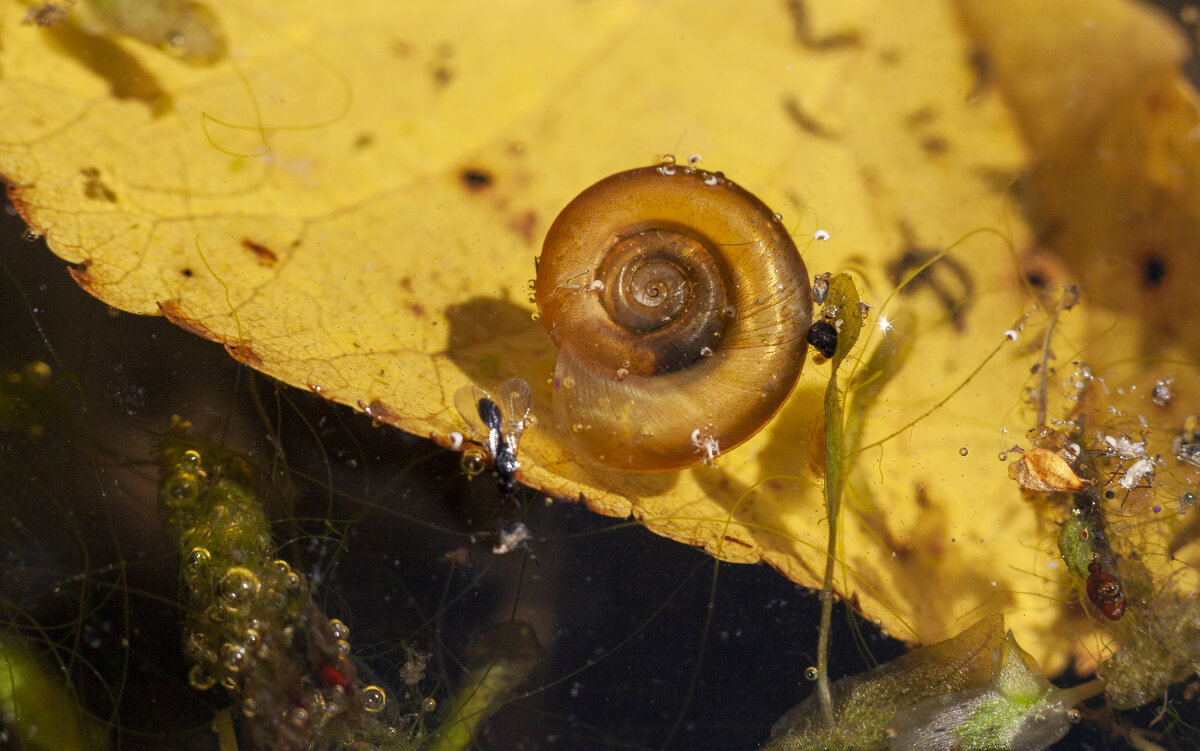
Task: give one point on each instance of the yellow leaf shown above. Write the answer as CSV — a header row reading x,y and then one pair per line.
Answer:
x,y
352,200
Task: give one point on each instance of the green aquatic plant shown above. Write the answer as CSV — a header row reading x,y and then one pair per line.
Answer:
x,y
863,705
38,711
1019,710
252,625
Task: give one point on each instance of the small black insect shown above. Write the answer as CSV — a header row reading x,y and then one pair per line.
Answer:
x,y
824,338
499,425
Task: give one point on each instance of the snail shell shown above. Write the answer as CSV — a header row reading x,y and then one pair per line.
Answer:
x,y
680,307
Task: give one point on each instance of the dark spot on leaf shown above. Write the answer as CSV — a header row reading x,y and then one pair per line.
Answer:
x,y
94,188
475,179
981,67
266,256
918,269
188,273
243,354
363,140
934,145
173,312
807,38
82,277
806,121
524,225
417,308
1154,272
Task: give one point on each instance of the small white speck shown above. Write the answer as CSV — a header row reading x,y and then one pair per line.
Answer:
x,y
1010,335
456,440
821,235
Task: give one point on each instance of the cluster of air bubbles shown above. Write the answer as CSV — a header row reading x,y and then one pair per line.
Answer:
x,y
1161,393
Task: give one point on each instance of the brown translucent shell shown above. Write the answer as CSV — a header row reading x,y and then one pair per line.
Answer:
x,y
680,307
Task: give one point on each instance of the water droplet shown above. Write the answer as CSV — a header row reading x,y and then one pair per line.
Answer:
x,y
474,461
428,704
200,679
962,451
198,559
810,673
821,235
31,236
238,589
373,698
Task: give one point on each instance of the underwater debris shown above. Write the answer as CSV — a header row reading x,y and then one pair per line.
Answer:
x,y
252,626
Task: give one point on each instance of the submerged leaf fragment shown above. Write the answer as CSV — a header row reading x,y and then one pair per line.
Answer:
x,y
1018,711
864,704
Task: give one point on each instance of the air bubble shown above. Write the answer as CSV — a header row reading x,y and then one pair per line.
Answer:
x,y
694,159
374,699
962,451
711,179
298,716
233,657
191,460
338,629
428,704
31,236
1003,456
342,647
821,235
249,707
534,315
474,461
238,588
1010,335
777,216
200,679
668,159
706,351
182,488
864,309
810,673
621,374
1074,716
198,558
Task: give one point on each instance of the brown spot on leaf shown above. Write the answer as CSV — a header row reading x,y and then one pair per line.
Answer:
x,y
805,121
173,312
524,225
245,355
266,256
935,145
188,273
363,140
378,411
94,187
81,276
1154,271
475,179
807,38
417,308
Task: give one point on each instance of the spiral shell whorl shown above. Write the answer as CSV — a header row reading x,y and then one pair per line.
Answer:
x,y
679,306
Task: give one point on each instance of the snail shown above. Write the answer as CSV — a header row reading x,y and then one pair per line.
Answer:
x,y
680,308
